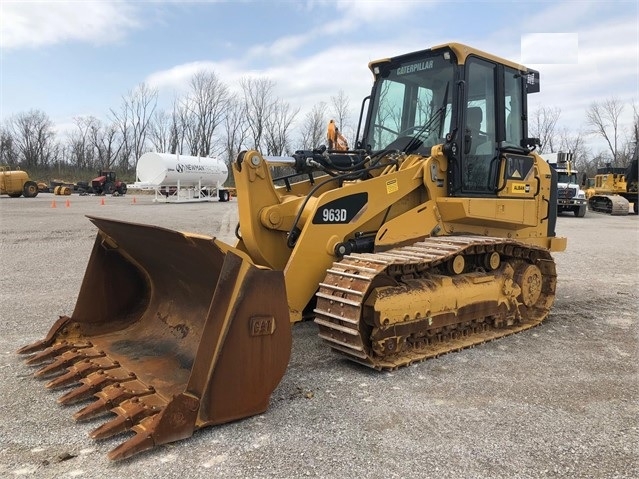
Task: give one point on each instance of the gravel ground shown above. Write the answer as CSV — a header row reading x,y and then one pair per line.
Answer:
x,y
560,400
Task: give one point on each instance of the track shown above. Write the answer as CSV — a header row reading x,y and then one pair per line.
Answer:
x,y
391,309
615,205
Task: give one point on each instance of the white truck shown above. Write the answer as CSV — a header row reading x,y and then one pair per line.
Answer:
x,y
570,196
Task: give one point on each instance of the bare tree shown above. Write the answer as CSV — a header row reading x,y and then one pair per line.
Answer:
x,y
543,125
314,126
603,118
80,149
133,121
340,111
160,130
631,141
236,129
635,124
259,103
180,127
107,143
8,155
187,126
207,103
94,145
576,144
33,138
278,125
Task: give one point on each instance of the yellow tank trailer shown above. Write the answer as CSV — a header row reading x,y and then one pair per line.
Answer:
x,y
16,183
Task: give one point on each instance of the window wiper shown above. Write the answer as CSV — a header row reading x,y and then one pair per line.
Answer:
x,y
415,142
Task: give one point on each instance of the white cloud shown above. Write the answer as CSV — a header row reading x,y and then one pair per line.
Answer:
x,y
303,79
177,77
40,23
373,11
608,67
349,16
280,47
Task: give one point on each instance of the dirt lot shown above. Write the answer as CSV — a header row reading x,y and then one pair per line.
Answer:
x,y
557,401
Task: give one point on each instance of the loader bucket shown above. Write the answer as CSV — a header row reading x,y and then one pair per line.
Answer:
x,y
171,332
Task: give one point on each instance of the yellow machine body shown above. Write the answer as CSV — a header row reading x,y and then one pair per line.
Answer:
x,y
613,190
16,183
414,243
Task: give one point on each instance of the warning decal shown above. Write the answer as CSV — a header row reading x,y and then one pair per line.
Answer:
x,y
391,186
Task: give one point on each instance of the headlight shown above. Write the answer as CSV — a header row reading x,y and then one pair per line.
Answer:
x,y
581,194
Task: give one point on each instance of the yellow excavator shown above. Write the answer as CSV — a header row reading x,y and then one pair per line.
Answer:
x,y
612,190
432,234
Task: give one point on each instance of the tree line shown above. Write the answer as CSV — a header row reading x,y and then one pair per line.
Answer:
x,y
603,121
208,119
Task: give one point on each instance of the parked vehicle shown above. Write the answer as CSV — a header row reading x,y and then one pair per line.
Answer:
x,y
106,183
612,190
570,196
16,183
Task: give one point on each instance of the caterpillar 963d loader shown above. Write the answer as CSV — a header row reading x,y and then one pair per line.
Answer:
x,y
432,234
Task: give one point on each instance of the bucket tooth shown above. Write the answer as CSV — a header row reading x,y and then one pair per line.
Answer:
x,y
66,359
72,375
109,398
42,344
79,371
93,383
142,441
49,353
129,413
169,422
33,347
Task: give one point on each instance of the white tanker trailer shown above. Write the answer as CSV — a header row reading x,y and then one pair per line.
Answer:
x,y
181,178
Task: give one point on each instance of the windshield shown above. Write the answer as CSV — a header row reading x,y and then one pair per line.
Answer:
x,y
567,178
412,101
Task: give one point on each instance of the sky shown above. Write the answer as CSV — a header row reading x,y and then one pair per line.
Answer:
x,y
79,58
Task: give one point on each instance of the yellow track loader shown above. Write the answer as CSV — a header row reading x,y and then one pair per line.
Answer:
x,y
432,234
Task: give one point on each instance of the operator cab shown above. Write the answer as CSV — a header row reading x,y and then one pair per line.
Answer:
x,y
473,102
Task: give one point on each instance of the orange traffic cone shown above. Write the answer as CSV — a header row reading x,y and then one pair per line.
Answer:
x,y
68,203
53,205
134,201
102,202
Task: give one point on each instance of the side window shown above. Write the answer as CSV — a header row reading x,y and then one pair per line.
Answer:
x,y
478,169
513,106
